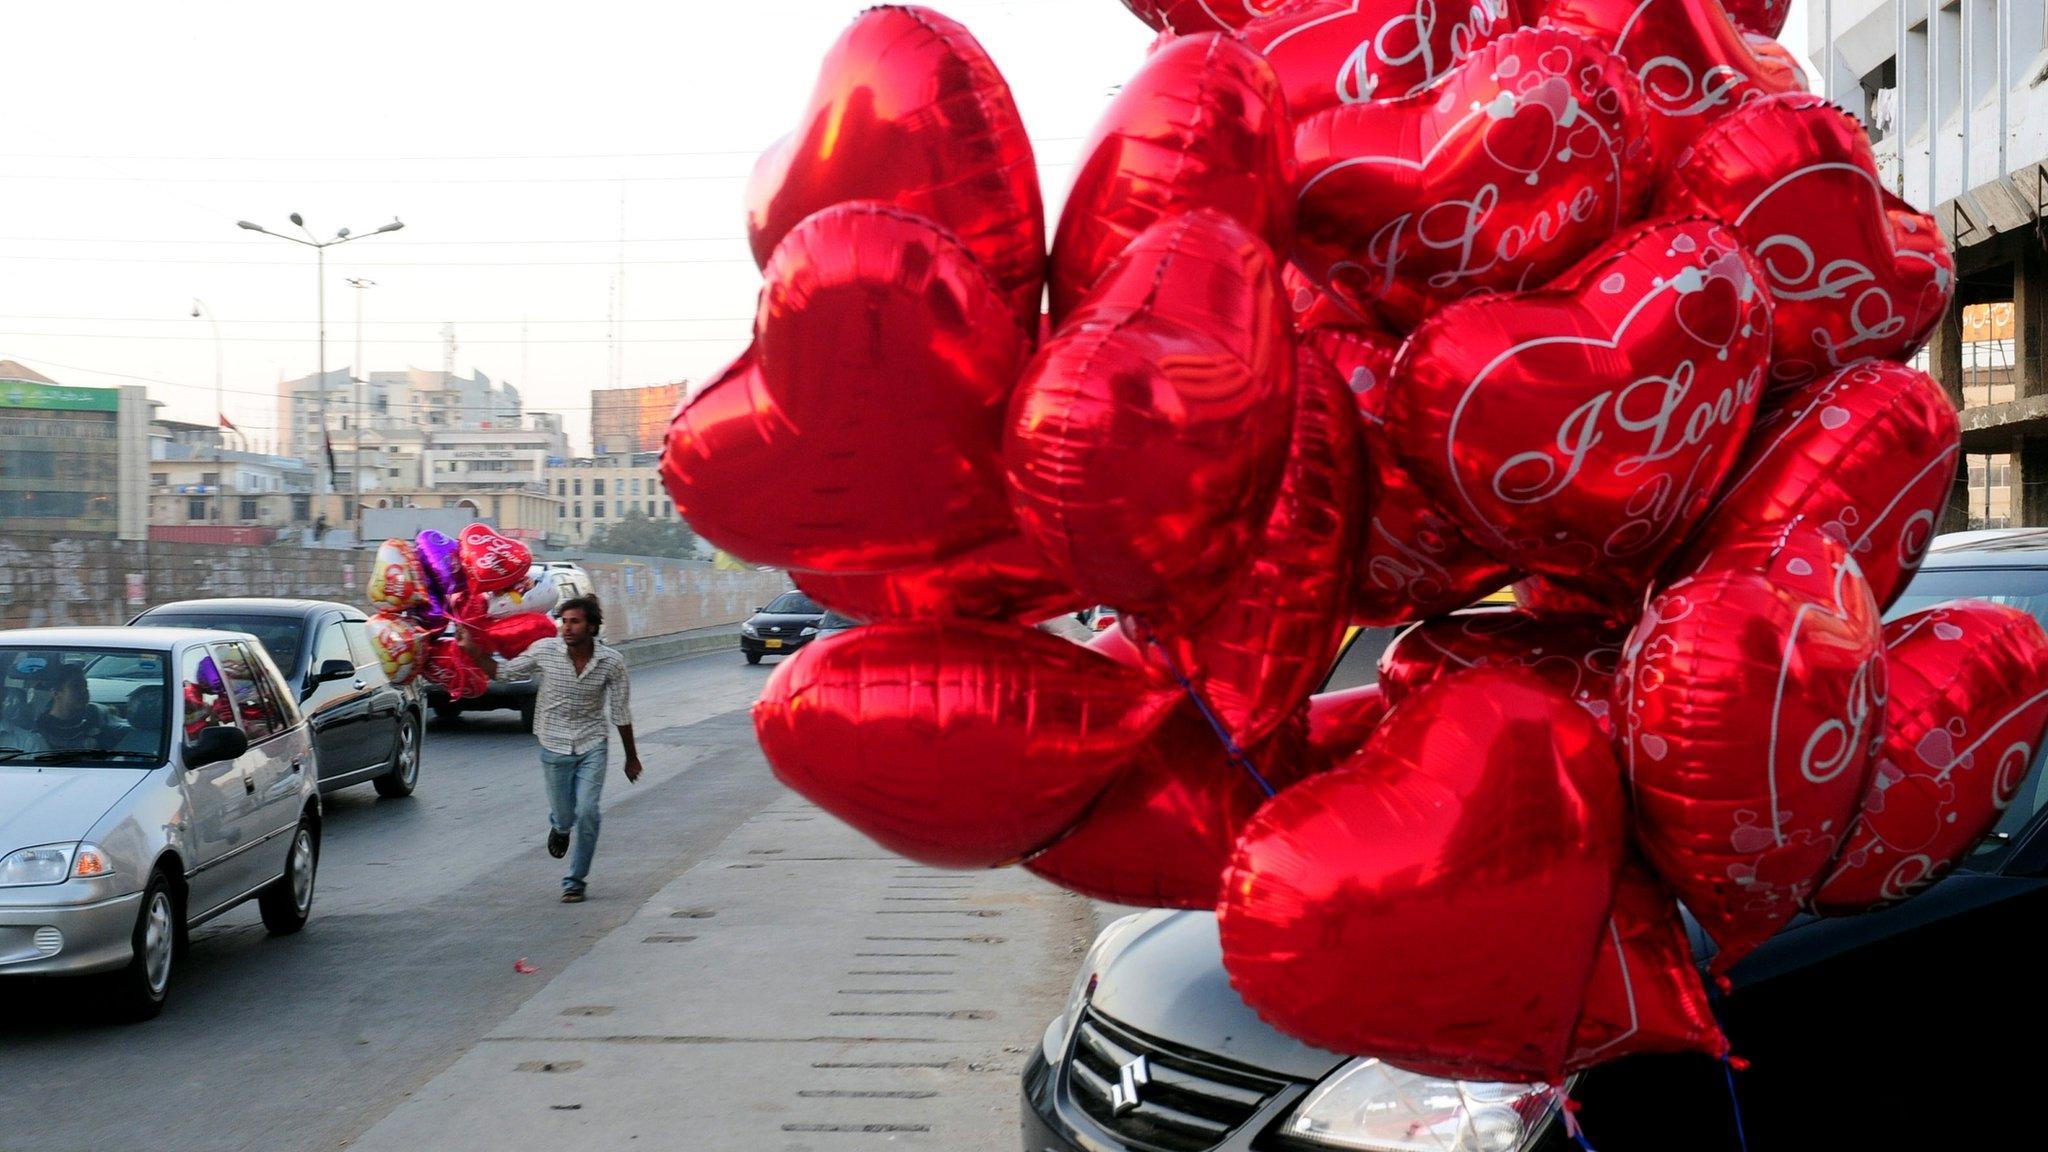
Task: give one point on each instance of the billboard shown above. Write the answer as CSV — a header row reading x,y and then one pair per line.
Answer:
x,y
48,397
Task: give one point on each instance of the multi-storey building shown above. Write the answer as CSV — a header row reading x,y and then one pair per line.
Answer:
x,y
602,490
72,459
628,420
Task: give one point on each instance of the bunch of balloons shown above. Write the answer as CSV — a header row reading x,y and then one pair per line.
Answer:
x,y
426,588
1357,311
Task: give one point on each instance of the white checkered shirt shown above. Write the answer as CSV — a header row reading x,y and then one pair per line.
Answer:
x,y
570,711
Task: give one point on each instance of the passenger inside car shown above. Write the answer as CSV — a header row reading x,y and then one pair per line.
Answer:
x,y
72,720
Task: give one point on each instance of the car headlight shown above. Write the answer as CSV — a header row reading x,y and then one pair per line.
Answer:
x,y
53,864
808,632
749,630
1372,1106
1108,943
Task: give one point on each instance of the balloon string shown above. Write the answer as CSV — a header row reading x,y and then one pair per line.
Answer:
x,y
1230,747
1570,1115
1730,1063
1735,1103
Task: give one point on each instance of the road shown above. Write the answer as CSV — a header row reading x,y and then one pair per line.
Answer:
x,y
423,906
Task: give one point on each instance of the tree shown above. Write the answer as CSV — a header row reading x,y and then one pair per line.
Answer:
x,y
636,535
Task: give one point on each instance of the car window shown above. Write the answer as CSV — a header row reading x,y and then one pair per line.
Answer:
x,y
202,694
358,633
1359,664
255,708
794,604
331,645
280,634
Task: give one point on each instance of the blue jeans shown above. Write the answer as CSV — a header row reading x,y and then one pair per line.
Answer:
x,y
575,790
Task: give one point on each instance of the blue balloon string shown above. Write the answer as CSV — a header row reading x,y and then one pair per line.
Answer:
x,y
1735,1103
1236,754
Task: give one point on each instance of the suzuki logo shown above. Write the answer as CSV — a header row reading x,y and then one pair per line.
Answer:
x,y
1129,1079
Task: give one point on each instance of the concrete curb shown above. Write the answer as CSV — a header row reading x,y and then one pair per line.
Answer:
x,y
657,649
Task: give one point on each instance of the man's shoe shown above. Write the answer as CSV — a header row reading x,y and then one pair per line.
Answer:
x,y
572,895
558,844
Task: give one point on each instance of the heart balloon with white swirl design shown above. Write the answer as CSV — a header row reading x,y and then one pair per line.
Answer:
x,y
1750,698
1580,431
1332,52
1854,282
1579,655
1968,699
1496,177
1187,17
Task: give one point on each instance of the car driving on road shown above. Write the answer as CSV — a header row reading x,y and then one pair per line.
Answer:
x,y
123,825
784,625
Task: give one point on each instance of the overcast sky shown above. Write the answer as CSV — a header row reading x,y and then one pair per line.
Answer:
x,y
514,140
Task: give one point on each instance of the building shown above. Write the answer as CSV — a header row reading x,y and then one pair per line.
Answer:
x,y
72,459
1952,98
602,490
628,420
194,478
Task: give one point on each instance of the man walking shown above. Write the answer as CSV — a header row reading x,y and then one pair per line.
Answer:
x,y
582,683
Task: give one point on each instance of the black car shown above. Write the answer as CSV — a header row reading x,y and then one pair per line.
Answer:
x,y
516,695
364,727
789,622
1907,1027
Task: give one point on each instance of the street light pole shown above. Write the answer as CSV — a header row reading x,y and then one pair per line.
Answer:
x,y
320,247
220,465
359,283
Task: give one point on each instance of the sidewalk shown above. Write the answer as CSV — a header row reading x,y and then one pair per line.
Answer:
x,y
797,989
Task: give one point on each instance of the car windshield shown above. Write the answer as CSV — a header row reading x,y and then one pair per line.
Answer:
x,y
793,604
278,634
2027,590
835,620
88,706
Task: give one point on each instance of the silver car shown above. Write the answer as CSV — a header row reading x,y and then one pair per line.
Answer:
x,y
150,780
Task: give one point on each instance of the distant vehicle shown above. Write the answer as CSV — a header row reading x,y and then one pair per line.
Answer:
x,y
1099,618
832,624
786,624
518,695
195,793
1869,1028
367,729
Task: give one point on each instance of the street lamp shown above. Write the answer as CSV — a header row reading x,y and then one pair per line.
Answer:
x,y
220,464
360,283
320,248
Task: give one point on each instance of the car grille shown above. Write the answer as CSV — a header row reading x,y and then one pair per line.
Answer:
x,y
1186,1104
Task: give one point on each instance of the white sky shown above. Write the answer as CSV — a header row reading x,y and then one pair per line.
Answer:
x,y
506,135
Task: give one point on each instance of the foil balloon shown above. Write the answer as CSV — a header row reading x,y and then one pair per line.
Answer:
x,y
1694,64
1867,453
509,636
449,667
492,563
396,582
400,645
1315,308
1497,177
440,557
957,743
1005,579
1580,431
1579,656
1645,994
1162,833
1846,284
1257,658
1761,17
1187,17
876,332
1339,724
1545,598
1967,705
1777,57
1147,437
910,110
537,593
1751,695
1413,561
1201,125
1349,906
1334,52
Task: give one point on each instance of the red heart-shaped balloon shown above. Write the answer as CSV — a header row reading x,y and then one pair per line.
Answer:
x,y
1776,56
1853,282
1963,720
1339,724
957,743
1763,17
1693,62
1495,178
1003,580
1868,453
508,636
1332,52
1190,16
909,109
1579,655
492,562
1147,437
1202,124
1579,431
1161,835
1485,804
1413,561
876,331
1750,697
449,667
1257,658
1645,994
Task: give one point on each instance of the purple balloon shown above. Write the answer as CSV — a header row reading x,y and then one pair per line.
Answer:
x,y
438,561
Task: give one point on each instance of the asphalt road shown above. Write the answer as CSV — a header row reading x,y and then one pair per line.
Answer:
x,y
423,906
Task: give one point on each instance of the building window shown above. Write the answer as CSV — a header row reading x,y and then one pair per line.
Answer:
x,y
302,509
619,508
597,487
160,479
561,511
561,487
195,509
597,510
636,487
650,509
210,479
579,491
248,508
579,509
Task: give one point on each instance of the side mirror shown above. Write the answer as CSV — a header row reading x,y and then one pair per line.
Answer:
x,y
214,745
759,608
327,673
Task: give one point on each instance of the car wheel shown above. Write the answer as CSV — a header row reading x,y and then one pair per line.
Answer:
x,y
405,761
753,657
526,716
288,903
140,989
448,711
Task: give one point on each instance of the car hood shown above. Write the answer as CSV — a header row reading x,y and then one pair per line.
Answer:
x,y
45,805
779,618
1169,983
